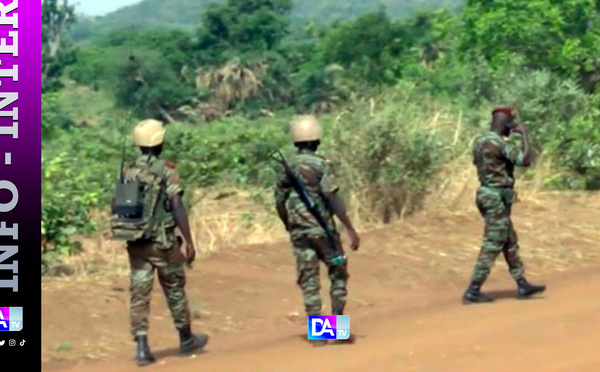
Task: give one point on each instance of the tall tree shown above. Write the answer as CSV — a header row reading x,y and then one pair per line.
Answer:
x,y
369,47
562,35
146,84
242,26
57,19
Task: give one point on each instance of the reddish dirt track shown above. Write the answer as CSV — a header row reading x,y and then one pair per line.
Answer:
x,y
404,304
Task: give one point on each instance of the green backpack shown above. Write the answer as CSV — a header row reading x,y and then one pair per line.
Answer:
x,y
139,202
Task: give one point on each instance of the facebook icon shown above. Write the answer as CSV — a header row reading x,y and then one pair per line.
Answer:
x,y
328,327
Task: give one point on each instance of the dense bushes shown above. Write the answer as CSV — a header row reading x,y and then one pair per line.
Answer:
x,y
563,121
202,161
388,158
53,117
67,200
560,35
389,92
390,149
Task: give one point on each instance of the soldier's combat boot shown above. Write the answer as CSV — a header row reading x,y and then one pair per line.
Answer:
x,y
143,355
527,290
473,295
337,309
189,342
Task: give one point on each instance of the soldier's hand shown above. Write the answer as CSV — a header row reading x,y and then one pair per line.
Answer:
x,y
354,240
518,128
190,254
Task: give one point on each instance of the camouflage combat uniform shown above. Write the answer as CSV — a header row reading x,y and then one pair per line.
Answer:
x,y
162,254
495,160
307,237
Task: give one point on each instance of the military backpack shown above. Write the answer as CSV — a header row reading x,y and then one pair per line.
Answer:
x,y
140,201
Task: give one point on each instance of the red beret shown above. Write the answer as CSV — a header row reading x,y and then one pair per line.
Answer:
x,y
505,110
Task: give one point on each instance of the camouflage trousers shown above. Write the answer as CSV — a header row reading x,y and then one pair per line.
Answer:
x,y
145,258
499,235
308,251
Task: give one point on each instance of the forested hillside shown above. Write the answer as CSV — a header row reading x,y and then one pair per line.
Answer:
x,y
184,14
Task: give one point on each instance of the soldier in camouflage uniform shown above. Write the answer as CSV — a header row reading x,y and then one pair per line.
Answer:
x,y
161,253
495,160
308,238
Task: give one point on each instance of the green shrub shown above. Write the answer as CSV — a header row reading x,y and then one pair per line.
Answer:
x,y
94,65
203,161
563,121
388,155
66,203
79,168
577,148
53,116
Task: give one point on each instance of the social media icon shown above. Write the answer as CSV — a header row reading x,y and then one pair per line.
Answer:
x,y
12,343
2,343
22,343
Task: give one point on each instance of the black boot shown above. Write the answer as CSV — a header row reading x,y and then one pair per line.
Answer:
x,y
527,290
473,295
337,309
189,342
143,355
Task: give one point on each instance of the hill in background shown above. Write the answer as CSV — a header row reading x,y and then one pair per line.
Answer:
x,y
185,14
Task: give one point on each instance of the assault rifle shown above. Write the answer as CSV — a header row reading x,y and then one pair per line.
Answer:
x,y
334,255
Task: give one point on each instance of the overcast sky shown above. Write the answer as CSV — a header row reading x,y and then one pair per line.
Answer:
x,y
100,7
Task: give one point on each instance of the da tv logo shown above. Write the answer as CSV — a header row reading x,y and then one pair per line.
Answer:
x,y
11,318
328,327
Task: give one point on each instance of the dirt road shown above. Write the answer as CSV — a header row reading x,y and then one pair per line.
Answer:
x,y
404,305
560,332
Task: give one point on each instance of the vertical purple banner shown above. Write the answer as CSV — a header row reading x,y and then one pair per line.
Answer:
x,y
20,176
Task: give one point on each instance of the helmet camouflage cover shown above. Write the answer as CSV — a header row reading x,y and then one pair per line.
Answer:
x,y
306,129
149,133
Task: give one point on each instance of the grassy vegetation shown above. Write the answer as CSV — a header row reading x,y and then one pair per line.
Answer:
x,y
64,346
399,100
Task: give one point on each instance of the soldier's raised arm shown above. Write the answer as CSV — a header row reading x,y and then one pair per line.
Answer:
x,y
526,149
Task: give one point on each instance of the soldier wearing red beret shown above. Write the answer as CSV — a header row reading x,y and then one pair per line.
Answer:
x,y
495,159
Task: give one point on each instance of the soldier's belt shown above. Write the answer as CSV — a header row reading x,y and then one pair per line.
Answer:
x,y
507,194
497,188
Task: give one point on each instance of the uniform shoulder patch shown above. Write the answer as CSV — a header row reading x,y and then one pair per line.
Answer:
x,y
169,164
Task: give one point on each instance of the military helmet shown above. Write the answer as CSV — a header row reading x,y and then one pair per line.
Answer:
x,y
306,129
149,133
